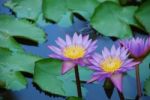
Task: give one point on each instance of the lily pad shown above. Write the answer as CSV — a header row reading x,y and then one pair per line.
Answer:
x,y
143,15
11,63
7,41
21,28
83,7
48,77
111,19
29,9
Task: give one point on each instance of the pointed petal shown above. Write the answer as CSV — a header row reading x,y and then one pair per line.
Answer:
x,y
68,40
75,38
60,42
94,78
117,81
85,39
55,49
79,41
67,66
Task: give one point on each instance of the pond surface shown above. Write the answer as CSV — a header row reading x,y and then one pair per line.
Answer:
x,y
95,91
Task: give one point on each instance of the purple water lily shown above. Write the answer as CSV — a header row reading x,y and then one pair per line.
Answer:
x,y
73,51
111,64
137,47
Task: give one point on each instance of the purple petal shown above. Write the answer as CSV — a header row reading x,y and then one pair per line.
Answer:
x,y
55,56
60,42
117,81
113,51
68,40
95,68
85,39
87,44
75,38
55,49
90,49
79,40
67,66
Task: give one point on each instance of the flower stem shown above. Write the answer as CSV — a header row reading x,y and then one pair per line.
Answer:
x,y
120,95
78,84
139,93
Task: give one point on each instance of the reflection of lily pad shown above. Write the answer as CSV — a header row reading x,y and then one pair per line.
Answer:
x,y
21,28
48,76
10,65
111,19
147,87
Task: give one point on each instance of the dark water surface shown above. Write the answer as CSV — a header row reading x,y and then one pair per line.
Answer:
x,y
95,91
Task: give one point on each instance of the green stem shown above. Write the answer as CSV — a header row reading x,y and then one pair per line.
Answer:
x,y
78,84
139,93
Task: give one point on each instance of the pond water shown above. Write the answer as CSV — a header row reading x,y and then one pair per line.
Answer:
x,y
95,91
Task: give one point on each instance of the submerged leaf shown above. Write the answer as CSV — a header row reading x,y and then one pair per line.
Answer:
x,y
147,87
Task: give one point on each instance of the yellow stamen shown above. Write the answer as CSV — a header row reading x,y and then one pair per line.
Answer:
x,y
111,64
74,52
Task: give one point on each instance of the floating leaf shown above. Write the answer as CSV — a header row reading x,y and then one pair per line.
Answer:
x,y
116,1
48,76
111,19
29,9
21,28
143,15
11,63
7,41
83,7
73,98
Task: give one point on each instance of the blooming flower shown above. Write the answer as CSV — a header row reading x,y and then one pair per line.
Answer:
x,y
137,47
111,64
73,51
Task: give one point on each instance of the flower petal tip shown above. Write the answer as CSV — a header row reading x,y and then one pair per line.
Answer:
x,y
117,81
67,66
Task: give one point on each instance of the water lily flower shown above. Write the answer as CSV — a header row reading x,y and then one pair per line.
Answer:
x,y
73,51
111,64
137,47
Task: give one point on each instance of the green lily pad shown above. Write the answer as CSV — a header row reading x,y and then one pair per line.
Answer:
x,y
74,98
143,15
83,7
48,77
7,41
29,9
111,19
116,1
11,63
21,28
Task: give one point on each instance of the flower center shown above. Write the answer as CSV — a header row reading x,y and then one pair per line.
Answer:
x,y
111,64
74,52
